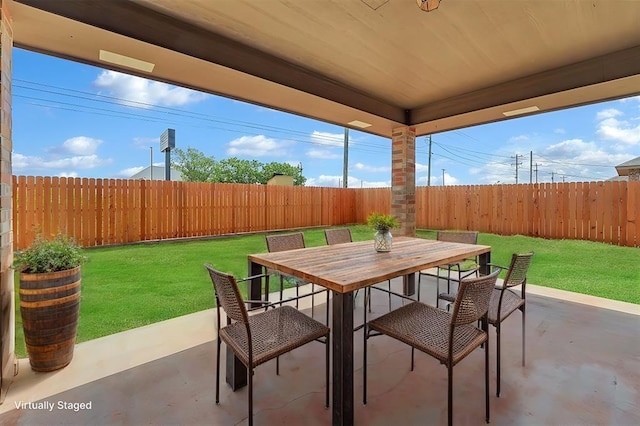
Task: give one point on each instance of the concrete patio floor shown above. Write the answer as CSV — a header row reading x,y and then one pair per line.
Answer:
x,y
583,367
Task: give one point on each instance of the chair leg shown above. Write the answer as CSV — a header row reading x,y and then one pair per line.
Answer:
x,y
250,390
297,295
326,374
313,289
498,359
389,295
523,308
364,358
450,395
486,377
327,310
412,357
281,287
438,288
419,279
218,371
368,298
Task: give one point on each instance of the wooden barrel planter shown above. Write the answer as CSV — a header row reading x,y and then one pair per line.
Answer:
x,y
50,306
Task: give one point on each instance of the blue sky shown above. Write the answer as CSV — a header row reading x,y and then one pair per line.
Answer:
x,y
71,119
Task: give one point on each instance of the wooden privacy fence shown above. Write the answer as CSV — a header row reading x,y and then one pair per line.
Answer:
x,y
606,212
100,212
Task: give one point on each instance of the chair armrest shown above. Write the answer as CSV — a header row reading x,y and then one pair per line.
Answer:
x,y
493,265
251,277
261,304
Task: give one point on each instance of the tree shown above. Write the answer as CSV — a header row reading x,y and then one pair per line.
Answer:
x,y
194,165
235,170
269,169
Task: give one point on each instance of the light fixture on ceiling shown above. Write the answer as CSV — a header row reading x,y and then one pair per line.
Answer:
x,y
126,61
428,5
520,111
358,123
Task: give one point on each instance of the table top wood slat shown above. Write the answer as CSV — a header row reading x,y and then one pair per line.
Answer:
x,y
344,268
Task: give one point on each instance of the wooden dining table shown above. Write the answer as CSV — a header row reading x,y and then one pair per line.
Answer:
x,y
343,269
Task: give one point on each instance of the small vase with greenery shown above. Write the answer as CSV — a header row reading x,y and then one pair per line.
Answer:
x,y
50,299
382,223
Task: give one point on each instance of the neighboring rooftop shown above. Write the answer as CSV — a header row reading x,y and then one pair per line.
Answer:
x,y
627,167
157,173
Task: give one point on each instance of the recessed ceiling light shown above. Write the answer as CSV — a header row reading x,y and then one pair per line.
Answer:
x,y
126,61
520,111
360,124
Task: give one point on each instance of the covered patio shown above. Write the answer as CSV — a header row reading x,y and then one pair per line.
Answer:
x,y
582,368
384,67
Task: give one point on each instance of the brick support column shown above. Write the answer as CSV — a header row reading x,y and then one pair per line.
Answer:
x,y
7,310
403,179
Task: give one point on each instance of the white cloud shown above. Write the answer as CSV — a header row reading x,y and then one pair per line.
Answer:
x,y
631,99
145,141
621,131
127,173
371,169
142,93
353,182
327,139
519,138
560,131
323,154
490,173
62,160
33,163
81,145
569,148
78,145
608,113
258,146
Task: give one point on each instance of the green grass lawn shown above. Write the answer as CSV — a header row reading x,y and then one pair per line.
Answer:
x,y
131,286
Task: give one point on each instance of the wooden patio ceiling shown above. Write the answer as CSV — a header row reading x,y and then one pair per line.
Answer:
x,y
381,62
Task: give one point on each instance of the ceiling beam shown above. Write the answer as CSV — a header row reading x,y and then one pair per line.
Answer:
x,y
602,69
161,30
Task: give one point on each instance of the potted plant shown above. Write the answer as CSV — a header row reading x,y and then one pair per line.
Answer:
x,y
50,299
382,223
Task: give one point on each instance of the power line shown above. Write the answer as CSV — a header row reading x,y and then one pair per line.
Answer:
x,y
121,102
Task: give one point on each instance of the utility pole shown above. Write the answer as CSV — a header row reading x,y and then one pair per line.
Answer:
x,y
517,164
429,165
345,157
442,177
530,166
536,172
552,173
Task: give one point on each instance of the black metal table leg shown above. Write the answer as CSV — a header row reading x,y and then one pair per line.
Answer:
x,y
485,259
409,284
342,337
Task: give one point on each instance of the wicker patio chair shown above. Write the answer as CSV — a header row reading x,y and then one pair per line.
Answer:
x,y
448,337
506,301
341,236
463,269
284,242
256,339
